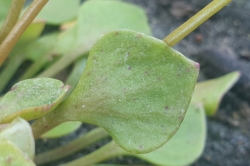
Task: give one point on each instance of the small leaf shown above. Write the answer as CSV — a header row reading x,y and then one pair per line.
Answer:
x,y
12,156
58,11
186,145
31,99
19,132
211,92
134,86
63,129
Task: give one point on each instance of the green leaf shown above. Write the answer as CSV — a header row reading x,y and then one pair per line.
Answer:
x,y
134,86
186,145
212,91
182,149
63,129
96,18
31,99
12,156
58,11
19,132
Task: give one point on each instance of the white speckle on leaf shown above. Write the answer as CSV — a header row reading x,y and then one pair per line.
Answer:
x,y
83,106
182,111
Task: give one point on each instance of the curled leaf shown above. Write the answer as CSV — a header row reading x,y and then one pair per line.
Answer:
x,y
31,99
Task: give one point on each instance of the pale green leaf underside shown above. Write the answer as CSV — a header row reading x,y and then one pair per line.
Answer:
x,y
135,87
19,132
63,129
12,156
211,92
186,145
31,99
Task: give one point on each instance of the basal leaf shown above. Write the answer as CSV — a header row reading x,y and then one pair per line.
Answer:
x,y
58,11
211,92
186,145
31,99
19,132
63,129
12,156
134,86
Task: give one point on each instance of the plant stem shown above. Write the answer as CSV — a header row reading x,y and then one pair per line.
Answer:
x,y
106,152
19,28
195,21
74,146
12,18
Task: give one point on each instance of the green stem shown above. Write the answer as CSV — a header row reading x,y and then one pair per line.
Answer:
x,y
17,31
106,152
190,25
12,18
74,146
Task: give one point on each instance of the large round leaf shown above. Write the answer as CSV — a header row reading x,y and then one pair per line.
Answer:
x,y
134,86
182,149
31,99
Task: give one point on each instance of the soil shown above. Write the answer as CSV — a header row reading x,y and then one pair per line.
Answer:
x,y
221,45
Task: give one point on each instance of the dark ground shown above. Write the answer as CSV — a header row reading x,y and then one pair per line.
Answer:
x,y
221,45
